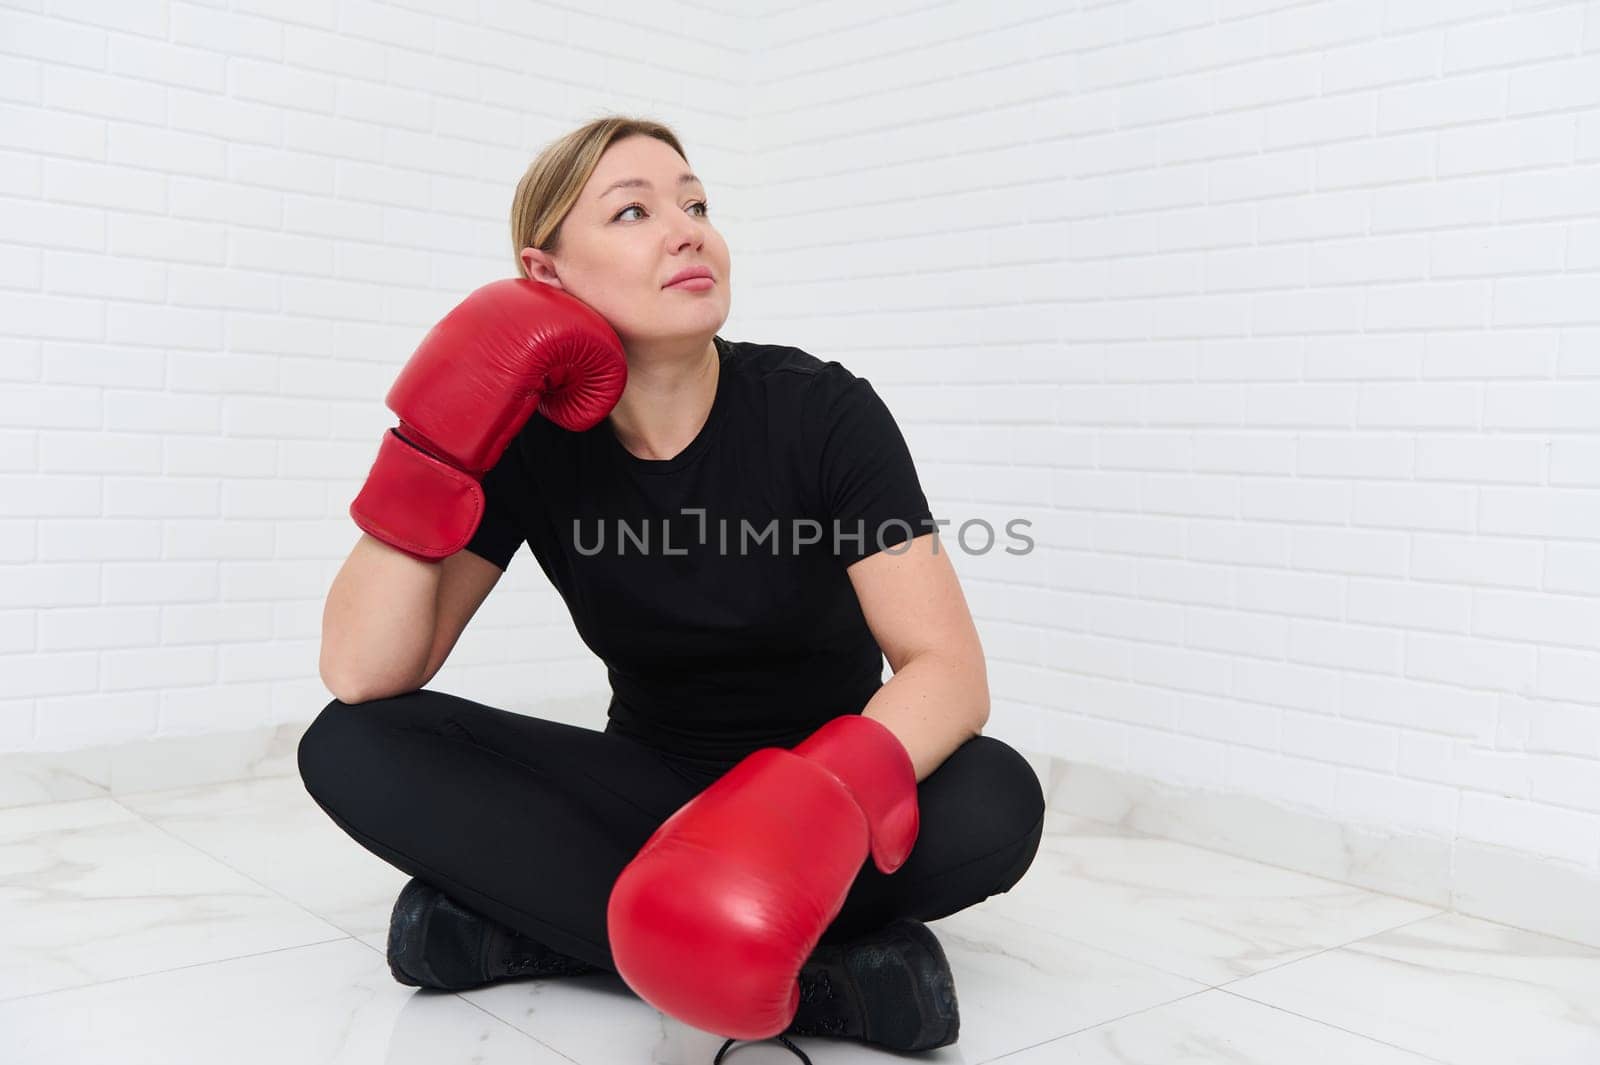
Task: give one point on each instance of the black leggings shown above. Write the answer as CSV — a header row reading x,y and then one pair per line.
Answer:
x,y
530,822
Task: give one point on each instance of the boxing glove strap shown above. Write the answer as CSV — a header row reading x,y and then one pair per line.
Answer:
x,y
416,503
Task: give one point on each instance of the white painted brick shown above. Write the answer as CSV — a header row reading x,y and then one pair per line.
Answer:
x,y
124,99
1181,759
1348,743
381,184
1355,551
1090,571
1374,161
1277,320
1565,781
21,267
168,64
45,316
225,117
203,287
79,629
158,237
226,32
42,674
1409,604
1346,262
1473,663
37,130
1359,648
280,85
97,185
1476,561
21,175
279,334
52,40
1160,493
1289,592
290,171
1429,205
315,49
137,323
1499,459
1450,101
385,105
41,586
1376,799
1414,506
186,153
1554,620
1532,827
1568,82
1233,722
1421,405
1316,312
17,631
221,201
319,13
1275,499
1559,193
1293,781
200,539
1328,120
1234,632
26,221
1572,568
1573,675
1564,514
285,253
1556,727
1356,455
1391,60
1514,353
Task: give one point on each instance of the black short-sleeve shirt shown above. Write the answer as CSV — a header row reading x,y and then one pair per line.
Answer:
x,y
712,584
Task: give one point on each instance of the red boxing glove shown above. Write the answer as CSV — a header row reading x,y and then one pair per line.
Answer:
x,y
712,920
509,348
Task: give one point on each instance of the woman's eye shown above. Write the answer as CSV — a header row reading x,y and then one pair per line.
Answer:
x,y
705,209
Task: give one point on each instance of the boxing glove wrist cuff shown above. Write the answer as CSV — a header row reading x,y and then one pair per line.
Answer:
x,y
870,760
416,503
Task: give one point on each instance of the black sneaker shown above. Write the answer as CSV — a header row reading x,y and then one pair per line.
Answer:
x,y
436,942
892,988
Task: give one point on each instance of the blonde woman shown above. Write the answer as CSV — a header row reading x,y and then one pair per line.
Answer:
x,y
756,839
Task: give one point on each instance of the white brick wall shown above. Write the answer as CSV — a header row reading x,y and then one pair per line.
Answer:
x,y
1279,321
223,229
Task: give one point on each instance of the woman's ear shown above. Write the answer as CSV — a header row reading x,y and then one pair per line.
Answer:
x,y
530,262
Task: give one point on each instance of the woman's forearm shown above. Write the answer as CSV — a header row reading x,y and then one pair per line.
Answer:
x,y
933,705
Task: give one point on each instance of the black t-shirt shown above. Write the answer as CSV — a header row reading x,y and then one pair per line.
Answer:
x,y
722,628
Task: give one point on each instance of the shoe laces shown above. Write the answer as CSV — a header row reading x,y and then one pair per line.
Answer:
x,y
801,1053
814,987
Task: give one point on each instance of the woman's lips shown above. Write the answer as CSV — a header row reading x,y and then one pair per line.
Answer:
x,y
697,284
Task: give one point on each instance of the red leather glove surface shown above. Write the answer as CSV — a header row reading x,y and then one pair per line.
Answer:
x,y
508,349
712,920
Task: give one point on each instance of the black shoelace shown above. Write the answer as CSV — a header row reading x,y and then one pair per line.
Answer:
x,y
813,988
718,1059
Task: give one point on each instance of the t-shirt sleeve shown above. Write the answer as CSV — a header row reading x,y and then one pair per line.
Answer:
x,y
498,535
871,496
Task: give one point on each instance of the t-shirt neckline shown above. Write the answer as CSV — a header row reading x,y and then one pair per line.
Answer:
x,y
702,438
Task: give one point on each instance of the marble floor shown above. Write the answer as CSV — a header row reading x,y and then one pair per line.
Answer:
x,y
236,923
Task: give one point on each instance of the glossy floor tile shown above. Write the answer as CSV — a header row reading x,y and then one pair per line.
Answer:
x,y
236,922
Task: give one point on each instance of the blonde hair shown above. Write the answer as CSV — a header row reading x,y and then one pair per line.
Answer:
x,y
552,182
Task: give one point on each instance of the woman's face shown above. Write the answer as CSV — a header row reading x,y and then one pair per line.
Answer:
x,y
620,247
